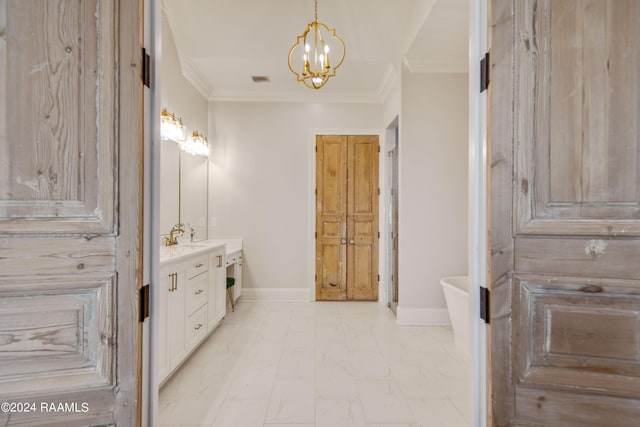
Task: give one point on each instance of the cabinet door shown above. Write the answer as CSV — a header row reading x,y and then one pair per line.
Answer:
x,y
176,319
237,286
166,282
217,288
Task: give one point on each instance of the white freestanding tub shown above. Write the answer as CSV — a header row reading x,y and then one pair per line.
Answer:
x,y
456,294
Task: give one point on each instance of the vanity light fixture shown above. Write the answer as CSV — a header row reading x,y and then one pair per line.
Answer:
x,y
171,127
317,41
198,144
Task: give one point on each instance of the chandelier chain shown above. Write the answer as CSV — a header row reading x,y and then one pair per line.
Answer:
x,y
316,11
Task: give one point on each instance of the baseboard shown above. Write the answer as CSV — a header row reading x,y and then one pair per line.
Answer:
x,y
275,294
422,316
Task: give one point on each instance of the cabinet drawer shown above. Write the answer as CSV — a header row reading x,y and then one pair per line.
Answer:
x,y
196,292
197,266
196,327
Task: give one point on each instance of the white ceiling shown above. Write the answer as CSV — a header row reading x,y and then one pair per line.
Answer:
x,y
222,43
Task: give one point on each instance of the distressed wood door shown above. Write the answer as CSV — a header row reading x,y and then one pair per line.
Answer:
x,y
70,115
565,213
347,217
362,217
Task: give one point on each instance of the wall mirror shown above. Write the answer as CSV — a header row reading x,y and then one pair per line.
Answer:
x,y
183,190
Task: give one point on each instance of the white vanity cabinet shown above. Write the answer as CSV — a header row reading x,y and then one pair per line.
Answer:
x,y
182,317
192,298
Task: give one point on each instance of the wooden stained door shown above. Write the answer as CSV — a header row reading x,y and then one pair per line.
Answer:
x,y
70,132
565,213
347,217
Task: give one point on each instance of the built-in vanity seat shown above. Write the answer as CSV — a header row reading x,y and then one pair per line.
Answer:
x,y
193,296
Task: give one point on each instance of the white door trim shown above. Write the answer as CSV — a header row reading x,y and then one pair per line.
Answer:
x,y
478,46
153,107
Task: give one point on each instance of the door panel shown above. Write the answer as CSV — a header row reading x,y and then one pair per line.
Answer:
x,y
59,70
577,131
347,217
565,212
70,210
362,218
331,218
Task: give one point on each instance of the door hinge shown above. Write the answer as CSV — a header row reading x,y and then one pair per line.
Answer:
x,y
485,305
146,68
378,191
378,234
316,235
485,67
378,277
316,278
144,302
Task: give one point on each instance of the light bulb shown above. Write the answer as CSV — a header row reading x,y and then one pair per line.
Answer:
x,y
307,48
326,48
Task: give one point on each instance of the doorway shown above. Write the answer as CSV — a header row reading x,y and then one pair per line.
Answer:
x,y
347,233
392,216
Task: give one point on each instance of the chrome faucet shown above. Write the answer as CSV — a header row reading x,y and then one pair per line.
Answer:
x,y
173,240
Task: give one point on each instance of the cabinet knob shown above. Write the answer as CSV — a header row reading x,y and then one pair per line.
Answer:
x,y
198,265
198,326
199,291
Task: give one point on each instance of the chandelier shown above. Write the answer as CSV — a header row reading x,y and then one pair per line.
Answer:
x,y
316,43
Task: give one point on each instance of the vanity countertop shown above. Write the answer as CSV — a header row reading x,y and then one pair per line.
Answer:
x,y
182,250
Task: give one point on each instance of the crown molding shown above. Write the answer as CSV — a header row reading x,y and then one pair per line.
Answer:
x,y
437,67
189,71
388,83
311,97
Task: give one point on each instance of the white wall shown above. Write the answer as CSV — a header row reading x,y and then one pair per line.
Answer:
x,y
178,95
259,185
433,194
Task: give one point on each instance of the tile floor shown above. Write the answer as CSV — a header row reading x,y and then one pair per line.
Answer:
x,y
319,364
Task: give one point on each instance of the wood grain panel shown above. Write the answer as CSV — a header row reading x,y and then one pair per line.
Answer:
x,y
577,333
362,217
577,146
65,330
538,406
70,163
331,217
60,136
500,240
578,256
565,213
331,281
43,255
